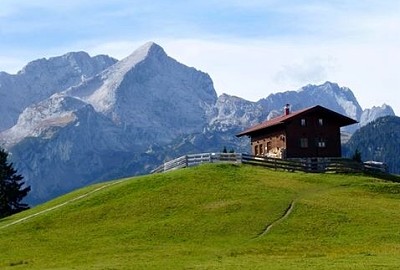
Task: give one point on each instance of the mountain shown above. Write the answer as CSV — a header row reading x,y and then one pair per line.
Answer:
x,y
103,126
230,111
369,115
378,141
234,112
329,95
42,78
151,93
86,119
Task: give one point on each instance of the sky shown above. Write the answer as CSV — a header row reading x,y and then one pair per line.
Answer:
x,y
250,48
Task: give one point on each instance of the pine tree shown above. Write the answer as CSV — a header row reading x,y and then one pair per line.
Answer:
x,y
357,156
12,189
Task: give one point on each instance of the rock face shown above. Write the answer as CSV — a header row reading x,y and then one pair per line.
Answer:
x,y
149,92
42,78
75,119
234,112
329,95
374,113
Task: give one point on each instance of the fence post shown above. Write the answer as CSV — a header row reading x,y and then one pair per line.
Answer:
x,y
239,158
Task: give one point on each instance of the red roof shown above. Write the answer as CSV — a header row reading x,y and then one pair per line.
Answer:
x,y
342,120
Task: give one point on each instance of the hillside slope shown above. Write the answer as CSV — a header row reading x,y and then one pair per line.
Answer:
x,y
212,217
379,141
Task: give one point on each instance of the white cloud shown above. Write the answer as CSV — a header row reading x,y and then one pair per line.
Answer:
x,y
311,71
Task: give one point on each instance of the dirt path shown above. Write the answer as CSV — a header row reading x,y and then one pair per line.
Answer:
x,y
60,205
275,222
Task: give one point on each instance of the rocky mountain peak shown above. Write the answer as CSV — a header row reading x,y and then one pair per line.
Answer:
x,y
326,87
152,49
73,57
329,95
148,89
149,49
374,113
80,62
101,90
42,78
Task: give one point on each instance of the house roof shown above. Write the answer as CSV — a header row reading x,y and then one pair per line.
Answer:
x,y
342,120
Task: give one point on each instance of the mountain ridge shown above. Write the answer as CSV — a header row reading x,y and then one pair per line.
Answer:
x,y
134,113
41,78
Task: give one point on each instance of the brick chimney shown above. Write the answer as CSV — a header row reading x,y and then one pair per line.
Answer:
x,y
287,109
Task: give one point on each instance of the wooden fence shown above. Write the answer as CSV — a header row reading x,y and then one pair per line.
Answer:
x,y
321,165
196,159
332,165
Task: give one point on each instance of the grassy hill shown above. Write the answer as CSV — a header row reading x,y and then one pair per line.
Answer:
x,y
212,217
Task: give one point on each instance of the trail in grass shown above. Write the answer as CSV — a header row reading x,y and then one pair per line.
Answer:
x,y
60,205
275,222
289,209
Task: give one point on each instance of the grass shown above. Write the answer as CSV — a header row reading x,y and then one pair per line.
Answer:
x,y
211,217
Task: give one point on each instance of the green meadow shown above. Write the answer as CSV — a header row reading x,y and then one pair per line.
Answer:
x,y
213,216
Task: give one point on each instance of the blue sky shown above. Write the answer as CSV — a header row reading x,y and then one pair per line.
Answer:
x,y
250,48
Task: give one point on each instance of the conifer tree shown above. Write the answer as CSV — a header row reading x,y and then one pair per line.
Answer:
x,y
12,188
357,156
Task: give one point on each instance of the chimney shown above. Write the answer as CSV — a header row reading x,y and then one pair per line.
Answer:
x,y
287,109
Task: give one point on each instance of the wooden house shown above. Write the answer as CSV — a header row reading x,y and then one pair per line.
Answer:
x,y
310,133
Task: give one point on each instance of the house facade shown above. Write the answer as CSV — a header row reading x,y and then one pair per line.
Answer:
x,y
310,133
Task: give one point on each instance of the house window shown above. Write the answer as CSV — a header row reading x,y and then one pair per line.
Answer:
x,y
256,150
321,143
304,142
303,122
261,149
320,122
269,146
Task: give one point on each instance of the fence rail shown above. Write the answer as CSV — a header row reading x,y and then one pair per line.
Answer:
x,y
322,165
196,159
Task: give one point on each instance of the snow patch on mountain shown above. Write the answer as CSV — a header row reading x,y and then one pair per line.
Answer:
x,y
42,119
104,97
